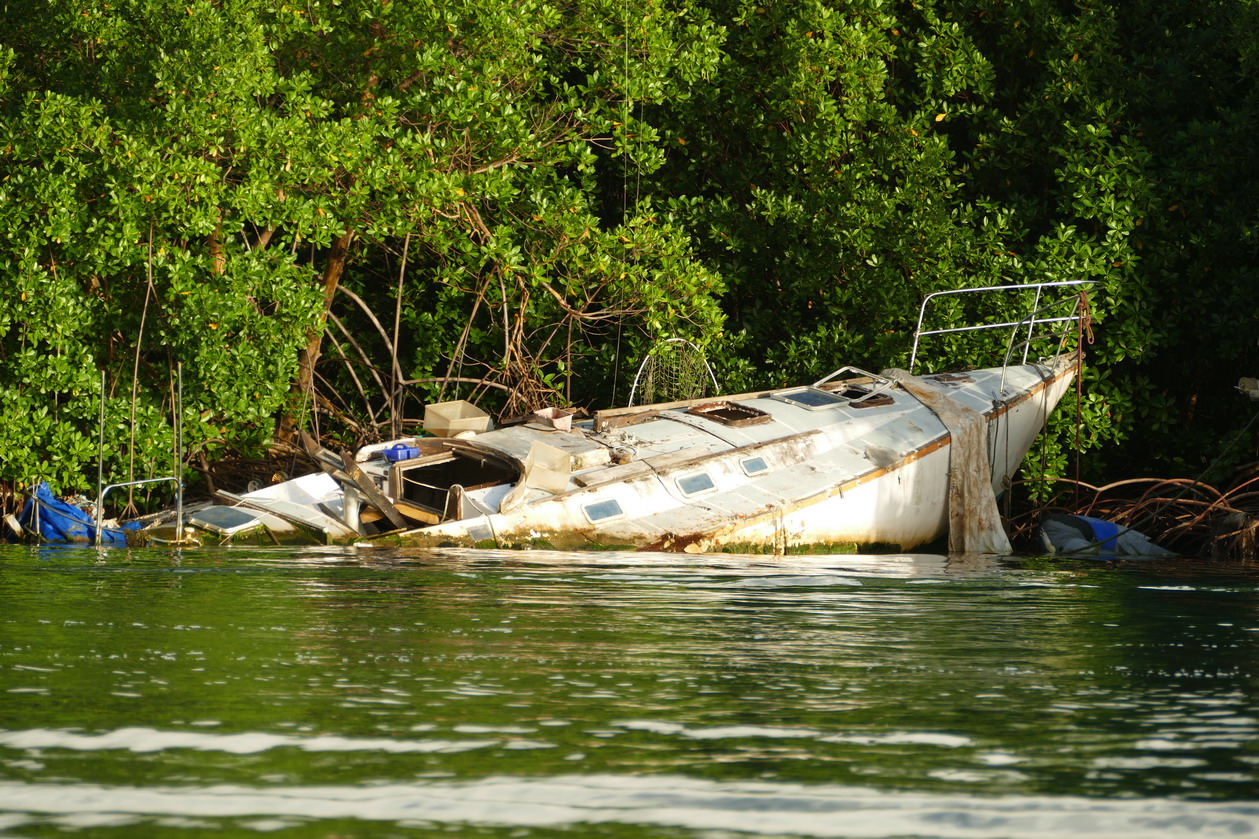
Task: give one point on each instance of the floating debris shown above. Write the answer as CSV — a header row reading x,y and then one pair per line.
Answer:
x,y
1183,515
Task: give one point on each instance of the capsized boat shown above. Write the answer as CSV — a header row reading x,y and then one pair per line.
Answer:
x,y
855,459
865,462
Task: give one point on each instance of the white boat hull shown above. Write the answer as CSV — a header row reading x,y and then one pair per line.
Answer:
x,y
877,477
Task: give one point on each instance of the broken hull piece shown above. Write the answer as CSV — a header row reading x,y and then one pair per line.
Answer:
x,y
859,464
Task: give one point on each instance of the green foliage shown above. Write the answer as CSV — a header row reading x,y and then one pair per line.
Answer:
x,y
823,182
182,182
517,200
1117,133
854,158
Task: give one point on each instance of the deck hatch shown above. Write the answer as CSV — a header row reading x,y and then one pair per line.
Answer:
x,y
733,414
224,520
603,510
809,398
860,396
695,483
951,378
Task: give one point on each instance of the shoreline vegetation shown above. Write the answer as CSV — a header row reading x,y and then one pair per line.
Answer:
x,y
331,215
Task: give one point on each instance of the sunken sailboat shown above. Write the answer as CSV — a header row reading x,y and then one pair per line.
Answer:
x,y
856,459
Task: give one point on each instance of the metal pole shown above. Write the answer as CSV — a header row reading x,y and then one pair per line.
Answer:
x,y
100,462
179,451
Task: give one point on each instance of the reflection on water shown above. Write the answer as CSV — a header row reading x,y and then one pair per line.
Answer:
x,y
366,691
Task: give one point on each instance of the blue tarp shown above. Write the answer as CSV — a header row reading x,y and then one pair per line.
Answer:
x,y
1085,536
56,521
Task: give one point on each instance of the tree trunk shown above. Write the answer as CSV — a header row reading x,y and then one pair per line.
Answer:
x,y
218,259
331,278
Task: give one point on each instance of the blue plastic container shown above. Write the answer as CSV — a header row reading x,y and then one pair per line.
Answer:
x,y
400,451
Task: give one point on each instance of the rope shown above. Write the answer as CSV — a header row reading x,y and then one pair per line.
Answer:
x,y
1084,324
135,376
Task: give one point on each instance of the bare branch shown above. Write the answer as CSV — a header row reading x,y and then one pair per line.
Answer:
x,y
383,334
460,379
366,361
606,314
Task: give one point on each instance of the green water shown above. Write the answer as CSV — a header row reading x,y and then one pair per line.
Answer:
x,y
375,693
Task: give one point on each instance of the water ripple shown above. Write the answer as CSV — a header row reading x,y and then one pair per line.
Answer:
x,y
660,801
146,740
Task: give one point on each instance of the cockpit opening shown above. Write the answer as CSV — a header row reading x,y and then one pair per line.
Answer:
x,y
431,489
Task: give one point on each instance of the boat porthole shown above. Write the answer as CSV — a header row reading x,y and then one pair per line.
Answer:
x,y
754,466
695,483
603,510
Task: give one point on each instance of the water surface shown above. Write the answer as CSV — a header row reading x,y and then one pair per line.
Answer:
x,y
372,692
